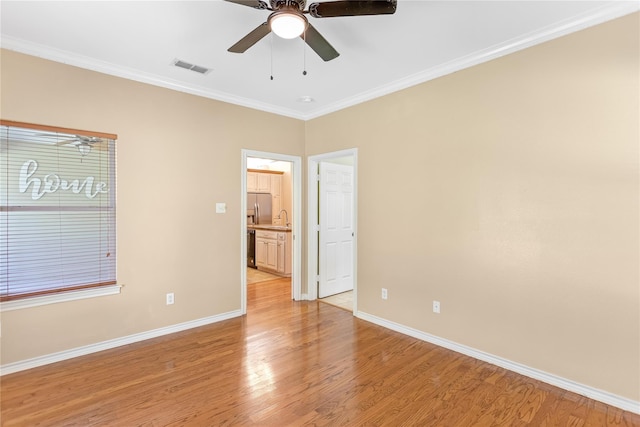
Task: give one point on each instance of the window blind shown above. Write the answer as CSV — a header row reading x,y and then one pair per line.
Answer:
x,y
57,210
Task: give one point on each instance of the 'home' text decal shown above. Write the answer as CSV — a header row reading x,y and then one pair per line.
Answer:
x,y
51,183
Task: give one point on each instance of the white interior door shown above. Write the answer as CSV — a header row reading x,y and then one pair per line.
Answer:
x,y
336,229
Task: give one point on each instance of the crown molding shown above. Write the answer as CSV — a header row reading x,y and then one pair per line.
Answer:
x,y
607,12
88,63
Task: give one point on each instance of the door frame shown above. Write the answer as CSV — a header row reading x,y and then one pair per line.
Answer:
x,y
312,219
296,220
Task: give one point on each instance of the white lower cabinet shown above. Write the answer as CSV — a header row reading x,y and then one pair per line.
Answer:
x,y
281,253
273,252
266,250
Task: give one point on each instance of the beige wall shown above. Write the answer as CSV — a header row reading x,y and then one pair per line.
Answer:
x,y
511,189
511,195
177,155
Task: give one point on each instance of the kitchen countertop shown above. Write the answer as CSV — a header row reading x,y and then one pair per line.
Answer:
x,y
269,227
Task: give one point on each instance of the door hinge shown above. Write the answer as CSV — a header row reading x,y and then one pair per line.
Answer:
x,y
316,227
317,177
318,278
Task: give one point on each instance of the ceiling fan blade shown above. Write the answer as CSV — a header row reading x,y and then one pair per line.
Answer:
x,y
250,39
352,8
256,4
67,141
319,44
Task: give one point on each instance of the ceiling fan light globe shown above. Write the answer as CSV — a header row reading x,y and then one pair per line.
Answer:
x,y
84,149
287,25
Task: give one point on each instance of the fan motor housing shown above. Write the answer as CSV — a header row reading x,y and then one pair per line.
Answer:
x,y
288,4
287,18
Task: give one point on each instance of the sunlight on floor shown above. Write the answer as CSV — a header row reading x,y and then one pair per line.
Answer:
x,y
255,276
343,300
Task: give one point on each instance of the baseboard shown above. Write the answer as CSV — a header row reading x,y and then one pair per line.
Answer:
x,y
584,390
22,365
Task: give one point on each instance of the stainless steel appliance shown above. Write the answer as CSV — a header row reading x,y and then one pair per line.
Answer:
x,y
258,208
251,249
258,212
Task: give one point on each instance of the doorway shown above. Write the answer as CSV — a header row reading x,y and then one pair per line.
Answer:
x,y
345,245
293,217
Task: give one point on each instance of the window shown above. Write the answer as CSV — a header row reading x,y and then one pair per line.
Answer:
x,y
57,210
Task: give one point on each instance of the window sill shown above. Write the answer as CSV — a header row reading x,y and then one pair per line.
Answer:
x,y
59,297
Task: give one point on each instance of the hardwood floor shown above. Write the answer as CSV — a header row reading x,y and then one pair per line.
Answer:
x,y
289,364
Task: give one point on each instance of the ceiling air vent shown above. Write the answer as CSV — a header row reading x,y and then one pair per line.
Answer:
x,y
188,66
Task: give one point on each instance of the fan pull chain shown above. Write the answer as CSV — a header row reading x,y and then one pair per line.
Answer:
x,y
304,53
271,44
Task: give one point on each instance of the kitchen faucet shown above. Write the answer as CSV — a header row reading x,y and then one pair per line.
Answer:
x,y
286,215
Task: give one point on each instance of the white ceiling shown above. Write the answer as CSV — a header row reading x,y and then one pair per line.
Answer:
x,y
140,40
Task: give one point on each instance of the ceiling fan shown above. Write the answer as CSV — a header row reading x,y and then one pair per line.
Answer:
x,y
287,20
83,143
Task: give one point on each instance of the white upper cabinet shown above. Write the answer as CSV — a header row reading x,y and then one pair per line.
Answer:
x,y
268,182
252,182
276,199
264,183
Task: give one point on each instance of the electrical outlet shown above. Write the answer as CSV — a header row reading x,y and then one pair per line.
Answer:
x,y
170,299
436,307
384,293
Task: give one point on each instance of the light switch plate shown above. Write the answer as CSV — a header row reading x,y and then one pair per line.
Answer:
x,y
221,208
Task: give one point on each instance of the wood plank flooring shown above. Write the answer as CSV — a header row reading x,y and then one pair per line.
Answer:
x,y
289,364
